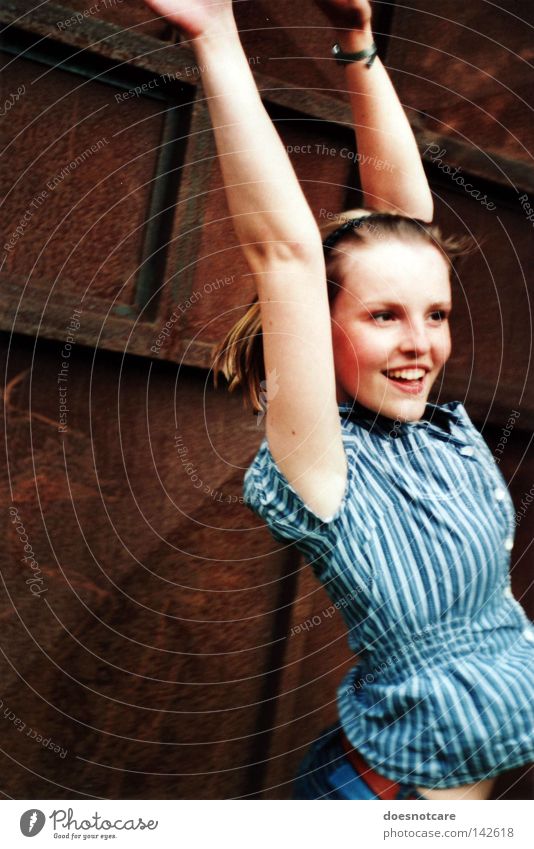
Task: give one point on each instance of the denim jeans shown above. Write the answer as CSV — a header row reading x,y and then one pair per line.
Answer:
x,y
326,773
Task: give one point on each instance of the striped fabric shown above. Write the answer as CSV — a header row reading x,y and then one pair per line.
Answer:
x,y
417,559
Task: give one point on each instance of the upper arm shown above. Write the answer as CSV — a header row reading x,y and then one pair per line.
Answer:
x,y
302,421
413,206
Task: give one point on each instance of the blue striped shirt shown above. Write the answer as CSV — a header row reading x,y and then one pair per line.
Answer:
x,y
417,558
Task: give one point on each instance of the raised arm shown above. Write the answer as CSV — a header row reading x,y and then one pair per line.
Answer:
x,y
269,212
383,132
281,241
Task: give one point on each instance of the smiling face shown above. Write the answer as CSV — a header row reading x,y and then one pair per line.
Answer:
x,y
390,328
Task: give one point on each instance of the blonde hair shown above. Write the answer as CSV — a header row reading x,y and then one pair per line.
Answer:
x,y
239,357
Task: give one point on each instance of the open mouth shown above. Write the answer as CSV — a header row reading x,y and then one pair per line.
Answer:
x,y
410,380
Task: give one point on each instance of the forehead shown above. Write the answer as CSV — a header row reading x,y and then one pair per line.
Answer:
x,y
394,272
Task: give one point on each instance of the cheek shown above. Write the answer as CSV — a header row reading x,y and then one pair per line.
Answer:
x,y
342,344
444,347
372,346
358,351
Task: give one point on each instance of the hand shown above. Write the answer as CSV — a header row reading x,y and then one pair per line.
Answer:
x,y
194,17
354,14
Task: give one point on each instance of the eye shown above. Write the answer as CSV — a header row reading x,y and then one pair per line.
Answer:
x,y
439,315
382,317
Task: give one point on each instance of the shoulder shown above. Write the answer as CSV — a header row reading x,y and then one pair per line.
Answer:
x,y
266,486
264,470
269,494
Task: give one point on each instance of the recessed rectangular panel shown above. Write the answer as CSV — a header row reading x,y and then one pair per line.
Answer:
x,y
78,170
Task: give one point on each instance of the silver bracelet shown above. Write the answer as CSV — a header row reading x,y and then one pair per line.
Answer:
x,y
370,53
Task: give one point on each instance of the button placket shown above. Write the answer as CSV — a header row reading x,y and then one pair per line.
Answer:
x,y
467,450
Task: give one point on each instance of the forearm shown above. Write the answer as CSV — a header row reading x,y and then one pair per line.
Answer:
x,y
391,171
269,211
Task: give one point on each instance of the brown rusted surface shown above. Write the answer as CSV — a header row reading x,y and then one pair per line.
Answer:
x,y
161,657
292,42
204,261
127,14
492,313
150,648
85,165
283,43
466,70
316,659
140,51
124,21
38,312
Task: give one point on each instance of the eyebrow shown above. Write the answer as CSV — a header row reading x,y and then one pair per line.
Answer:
x,y
437,305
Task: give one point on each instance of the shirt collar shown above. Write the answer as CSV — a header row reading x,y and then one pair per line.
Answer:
x,y
439,416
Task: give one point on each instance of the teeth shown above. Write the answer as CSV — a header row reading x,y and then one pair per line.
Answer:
x,y
408,373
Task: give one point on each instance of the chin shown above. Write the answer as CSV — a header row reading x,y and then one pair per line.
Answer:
x,y
404,410
412,410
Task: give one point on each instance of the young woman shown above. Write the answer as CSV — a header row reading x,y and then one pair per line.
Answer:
x,y
395,502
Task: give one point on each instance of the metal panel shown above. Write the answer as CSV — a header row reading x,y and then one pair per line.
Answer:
x,y
466,71
127,14
158,629
78,184
162,658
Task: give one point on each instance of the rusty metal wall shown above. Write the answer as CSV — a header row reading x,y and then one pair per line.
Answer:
x,y
148,646
145,638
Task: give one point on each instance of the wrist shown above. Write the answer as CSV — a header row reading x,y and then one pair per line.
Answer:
x,y
217,39
352,41
222,28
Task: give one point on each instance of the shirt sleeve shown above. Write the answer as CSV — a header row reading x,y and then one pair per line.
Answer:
x,y
268,493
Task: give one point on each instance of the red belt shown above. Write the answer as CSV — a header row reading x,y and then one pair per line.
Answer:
x,y
381,786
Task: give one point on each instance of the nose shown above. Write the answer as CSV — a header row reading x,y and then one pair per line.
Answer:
x,y
415,339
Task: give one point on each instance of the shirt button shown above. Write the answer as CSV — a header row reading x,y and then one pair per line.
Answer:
x,y
529,635
499,494
508,543
467,450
